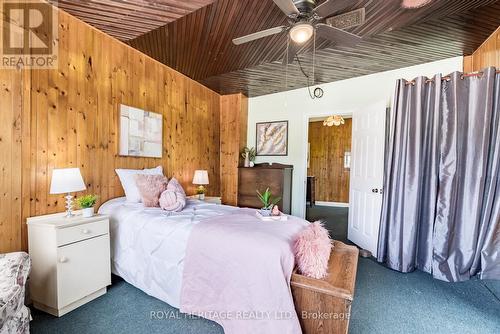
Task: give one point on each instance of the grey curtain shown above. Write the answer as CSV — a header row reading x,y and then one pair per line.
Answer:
x,y
441,204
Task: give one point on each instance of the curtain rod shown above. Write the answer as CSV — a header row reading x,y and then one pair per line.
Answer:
x,y
448,77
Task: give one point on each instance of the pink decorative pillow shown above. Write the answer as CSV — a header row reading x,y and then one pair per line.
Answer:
x,y
150,188
171,200
312,249
174,185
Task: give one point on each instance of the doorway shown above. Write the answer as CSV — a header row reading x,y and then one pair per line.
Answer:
x,y
328,173
364,166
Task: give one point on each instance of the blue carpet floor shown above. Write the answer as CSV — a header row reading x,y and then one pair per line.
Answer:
x,y
385,302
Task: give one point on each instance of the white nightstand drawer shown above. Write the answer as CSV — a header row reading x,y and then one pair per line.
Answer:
x,y
82,268
81,232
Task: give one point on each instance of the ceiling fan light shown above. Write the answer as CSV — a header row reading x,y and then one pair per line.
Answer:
x,y
301,33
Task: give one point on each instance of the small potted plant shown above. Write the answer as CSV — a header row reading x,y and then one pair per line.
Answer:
x,y
249,155
200,191
86,203
268,202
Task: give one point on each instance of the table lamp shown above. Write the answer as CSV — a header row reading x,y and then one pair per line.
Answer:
x,y
66,181
200,179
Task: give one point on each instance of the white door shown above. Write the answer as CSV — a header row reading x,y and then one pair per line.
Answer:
x,y
367,172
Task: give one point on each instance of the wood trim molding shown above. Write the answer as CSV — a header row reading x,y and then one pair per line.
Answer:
x,y
233,138
334,204
488,54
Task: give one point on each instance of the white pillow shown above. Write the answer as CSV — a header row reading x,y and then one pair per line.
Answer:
x,y
128,181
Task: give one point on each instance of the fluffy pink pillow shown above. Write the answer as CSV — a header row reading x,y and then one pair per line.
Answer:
x,y
174,185
312,249
150,188
171,200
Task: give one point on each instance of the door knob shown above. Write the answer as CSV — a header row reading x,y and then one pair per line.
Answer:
x,y
374,190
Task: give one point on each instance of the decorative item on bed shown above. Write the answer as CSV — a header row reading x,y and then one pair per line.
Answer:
x,y
174,197
67,181
127,179
200,179
151,187
312,249
268,202
272,138
140,133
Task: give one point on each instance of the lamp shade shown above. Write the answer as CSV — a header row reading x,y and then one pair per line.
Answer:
x,y
66,180
200,177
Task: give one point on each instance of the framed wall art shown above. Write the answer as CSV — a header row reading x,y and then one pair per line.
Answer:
x,y
140,133
272,138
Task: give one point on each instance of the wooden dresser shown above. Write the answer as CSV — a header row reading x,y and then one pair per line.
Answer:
x,y
277,177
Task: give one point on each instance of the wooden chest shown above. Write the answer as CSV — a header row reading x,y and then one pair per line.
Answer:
x,y
324,305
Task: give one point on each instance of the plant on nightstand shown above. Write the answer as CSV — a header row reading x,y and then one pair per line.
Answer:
x,y
86,203
268,202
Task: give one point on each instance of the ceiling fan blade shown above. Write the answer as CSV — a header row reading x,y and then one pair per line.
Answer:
x,y
293,48
287,7
331,7
258,34
337,35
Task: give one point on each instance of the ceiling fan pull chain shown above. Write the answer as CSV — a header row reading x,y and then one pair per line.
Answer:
x,y
286,63
314,58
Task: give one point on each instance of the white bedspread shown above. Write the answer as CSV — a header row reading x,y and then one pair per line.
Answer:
x,y
148,245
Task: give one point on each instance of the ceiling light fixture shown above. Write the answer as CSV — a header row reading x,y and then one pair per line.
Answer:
x,y
301,32
336,120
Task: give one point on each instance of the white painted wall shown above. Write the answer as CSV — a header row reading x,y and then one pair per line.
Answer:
x,y
340,97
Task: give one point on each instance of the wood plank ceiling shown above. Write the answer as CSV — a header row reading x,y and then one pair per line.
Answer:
x,y
126,19
199,44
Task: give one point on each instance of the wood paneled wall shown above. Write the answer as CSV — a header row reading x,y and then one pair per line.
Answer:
x,y
488,54
233,138
10,160
70,119
326,160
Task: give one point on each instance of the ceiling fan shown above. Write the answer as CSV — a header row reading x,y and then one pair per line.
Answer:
x,y
305,17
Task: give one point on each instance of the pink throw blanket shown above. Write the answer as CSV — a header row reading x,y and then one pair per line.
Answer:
x,y
237,273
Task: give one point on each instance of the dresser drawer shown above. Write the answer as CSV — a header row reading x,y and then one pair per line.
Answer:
x,y
81,232
251,180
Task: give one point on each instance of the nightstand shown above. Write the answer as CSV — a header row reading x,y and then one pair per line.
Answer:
x,y
208,199
70,261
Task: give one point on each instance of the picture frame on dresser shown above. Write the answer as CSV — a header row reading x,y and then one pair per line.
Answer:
x,y
271,138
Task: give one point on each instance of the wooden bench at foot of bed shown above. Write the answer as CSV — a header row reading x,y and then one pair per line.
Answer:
x,y
324,305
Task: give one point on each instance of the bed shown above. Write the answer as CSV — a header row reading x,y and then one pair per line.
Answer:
x,y
215,261
148,252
